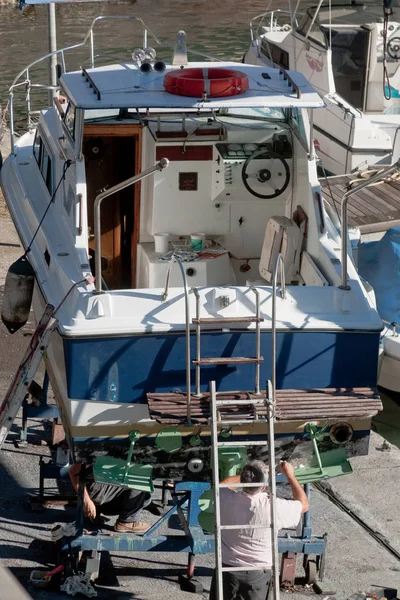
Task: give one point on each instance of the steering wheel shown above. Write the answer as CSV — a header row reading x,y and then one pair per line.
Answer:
x,y
271,172
393,48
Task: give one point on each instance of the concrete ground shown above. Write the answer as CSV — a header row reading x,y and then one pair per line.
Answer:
x,y
363,531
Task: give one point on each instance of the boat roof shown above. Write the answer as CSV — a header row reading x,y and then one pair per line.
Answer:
x,y
125,86
349,13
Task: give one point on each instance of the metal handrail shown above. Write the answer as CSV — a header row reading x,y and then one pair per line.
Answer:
x,y
271,405
269,13
89,36
344,214
162,164
164,297
393,325
258,339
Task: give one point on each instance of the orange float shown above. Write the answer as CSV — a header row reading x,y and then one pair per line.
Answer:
x,y
206,82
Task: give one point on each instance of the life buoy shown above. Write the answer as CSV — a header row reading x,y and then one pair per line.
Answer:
x,y
207,82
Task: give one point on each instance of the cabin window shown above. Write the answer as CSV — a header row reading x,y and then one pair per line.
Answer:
x,y
43,160
350,48
69,120
37,147
277,55
315,34
296,121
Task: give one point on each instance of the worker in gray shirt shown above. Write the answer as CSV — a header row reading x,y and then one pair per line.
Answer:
x,y
251,547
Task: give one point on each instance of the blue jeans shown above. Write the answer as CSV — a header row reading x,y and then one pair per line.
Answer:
x,y
242,585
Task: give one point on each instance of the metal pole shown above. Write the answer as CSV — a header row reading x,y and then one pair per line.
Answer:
x,y
272,489
377,177
175,258
217,506
164,162
52,48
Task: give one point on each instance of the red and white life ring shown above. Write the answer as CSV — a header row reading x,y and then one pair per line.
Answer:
x,y
209,82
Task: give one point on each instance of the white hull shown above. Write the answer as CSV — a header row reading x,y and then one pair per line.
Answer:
x,y
389,364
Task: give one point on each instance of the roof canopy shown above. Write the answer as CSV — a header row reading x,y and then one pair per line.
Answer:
x,y
125,86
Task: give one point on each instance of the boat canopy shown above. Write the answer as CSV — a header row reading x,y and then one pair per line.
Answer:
x,y
125,86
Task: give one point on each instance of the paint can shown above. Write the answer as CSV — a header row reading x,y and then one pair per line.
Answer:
x,y
161,241
198,241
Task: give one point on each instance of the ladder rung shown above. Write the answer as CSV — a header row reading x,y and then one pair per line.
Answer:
x,y
239,485
250,568
228,360
239,422
244,527
226,320
240,402
233,444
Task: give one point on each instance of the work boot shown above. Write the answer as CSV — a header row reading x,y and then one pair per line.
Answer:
x,y
131,527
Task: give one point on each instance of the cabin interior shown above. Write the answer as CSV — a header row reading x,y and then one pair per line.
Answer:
x,y
230,177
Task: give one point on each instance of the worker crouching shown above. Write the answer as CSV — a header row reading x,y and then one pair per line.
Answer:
x,y
250,547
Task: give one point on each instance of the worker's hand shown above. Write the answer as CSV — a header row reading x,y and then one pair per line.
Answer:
x,y
287,469
89,508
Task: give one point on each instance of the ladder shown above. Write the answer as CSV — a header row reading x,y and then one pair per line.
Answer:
x,y
26,371
228,360
217,421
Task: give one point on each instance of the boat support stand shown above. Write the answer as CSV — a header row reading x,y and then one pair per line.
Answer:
x,y
185,497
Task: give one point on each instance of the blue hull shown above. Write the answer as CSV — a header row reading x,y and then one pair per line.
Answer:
x,y
124,369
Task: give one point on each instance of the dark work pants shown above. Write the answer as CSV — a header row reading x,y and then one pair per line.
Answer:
x,y
114,500
242,585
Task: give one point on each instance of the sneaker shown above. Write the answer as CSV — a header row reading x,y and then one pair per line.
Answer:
x,y
131,527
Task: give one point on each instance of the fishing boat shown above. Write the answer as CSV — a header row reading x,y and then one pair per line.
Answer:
x,y
109,189
350,53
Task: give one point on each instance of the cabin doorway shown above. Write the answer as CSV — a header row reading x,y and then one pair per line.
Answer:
x,y
113,154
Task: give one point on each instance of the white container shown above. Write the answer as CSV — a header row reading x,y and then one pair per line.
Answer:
x,y
198,241
161,241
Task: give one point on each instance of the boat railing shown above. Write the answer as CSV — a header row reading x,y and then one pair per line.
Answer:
x,y
381,175
162,164
391,326
271,19
164,297
24,81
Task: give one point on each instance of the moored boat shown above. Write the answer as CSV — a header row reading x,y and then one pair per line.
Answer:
x,y
115,182
349,52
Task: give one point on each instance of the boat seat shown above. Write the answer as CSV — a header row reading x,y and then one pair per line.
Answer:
x,y
282,236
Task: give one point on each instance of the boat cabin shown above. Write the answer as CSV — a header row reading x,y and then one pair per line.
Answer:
x,y
236,164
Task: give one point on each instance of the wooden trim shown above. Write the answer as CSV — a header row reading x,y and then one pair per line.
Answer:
x,y
112,130
136,207
180,154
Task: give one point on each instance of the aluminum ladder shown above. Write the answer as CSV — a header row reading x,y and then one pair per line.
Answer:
x,y
228,360
26,371
216,422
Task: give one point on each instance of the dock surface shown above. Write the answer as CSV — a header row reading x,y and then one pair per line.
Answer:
x,y
374,208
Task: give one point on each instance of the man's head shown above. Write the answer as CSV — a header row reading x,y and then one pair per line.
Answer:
x,y
253,472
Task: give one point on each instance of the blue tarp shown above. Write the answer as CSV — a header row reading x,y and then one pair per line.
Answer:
x,y
379,264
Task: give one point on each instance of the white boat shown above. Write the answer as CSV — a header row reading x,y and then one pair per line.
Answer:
x,y
350,54
90,179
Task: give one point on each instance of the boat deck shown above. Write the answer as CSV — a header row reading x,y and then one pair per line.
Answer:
x,y
372,209
292,405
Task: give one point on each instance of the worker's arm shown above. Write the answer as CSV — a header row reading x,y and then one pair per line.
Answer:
x,y
232,479
89,507
297,490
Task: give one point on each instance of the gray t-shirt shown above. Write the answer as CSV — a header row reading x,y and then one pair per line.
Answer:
x,y
250,547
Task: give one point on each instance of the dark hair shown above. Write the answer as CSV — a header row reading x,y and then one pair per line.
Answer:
x,y
253,472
